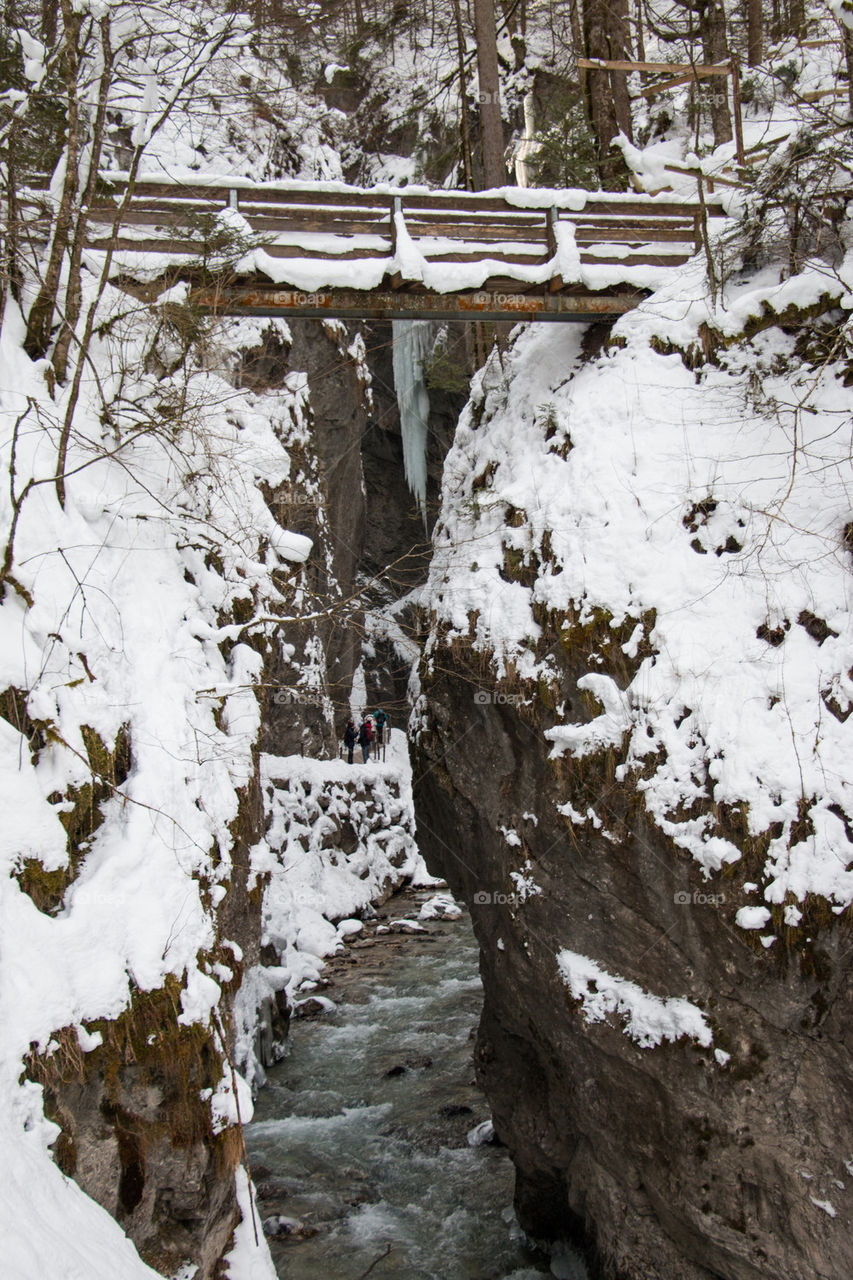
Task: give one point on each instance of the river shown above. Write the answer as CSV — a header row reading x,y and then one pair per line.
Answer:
x,y
359,1143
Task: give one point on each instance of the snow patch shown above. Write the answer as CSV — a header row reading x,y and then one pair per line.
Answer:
x,y
648,1019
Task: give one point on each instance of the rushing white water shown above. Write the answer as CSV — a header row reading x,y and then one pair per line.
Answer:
x,y
361,1134
412,344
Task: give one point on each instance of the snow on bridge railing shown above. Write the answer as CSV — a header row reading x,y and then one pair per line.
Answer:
x,y
324,238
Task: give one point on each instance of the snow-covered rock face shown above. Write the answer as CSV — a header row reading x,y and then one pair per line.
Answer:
x,y
146,634
691,532
631,746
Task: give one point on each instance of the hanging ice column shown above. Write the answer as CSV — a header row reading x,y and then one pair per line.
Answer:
x,y
412,344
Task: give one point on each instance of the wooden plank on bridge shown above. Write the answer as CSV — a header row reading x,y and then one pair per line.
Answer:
x,y
322,197
481,304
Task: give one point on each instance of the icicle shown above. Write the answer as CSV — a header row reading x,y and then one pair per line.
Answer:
x,y
412,344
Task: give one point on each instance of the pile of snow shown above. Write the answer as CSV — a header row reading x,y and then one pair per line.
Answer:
x,y
440,906
648,1019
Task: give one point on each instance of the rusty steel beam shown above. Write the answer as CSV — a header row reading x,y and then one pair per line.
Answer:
x,y
385,304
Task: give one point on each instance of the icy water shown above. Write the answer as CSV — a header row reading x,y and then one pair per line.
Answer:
x,y
361,1134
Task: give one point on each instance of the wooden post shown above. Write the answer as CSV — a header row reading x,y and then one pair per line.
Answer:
x,y
396,207
736,111
555,284
233,199
551,217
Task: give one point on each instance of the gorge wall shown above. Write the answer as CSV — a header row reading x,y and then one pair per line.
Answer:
x,y
263,841
618,769
134,901
636,691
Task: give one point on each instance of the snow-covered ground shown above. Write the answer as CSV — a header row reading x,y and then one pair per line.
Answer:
x,y
112,635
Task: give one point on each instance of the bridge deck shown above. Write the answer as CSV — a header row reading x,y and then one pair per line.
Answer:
x,y
259,298
329,250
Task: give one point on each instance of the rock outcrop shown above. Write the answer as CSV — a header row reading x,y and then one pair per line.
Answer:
x,y
671,1086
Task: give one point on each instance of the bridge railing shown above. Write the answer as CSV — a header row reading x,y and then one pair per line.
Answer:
x,y
446,227
530,254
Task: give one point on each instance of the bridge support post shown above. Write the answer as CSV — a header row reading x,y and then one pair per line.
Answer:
x,y
555,284
396,207
551,230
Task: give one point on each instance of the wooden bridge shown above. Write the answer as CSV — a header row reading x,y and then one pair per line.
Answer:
x,y
322,249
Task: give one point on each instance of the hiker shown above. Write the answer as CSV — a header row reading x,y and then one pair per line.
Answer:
x,y
364,739
350,739
381,721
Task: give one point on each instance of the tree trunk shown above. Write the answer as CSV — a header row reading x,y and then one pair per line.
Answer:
x,y
641,39
73,292
619,46
40,320
11,274
464,117
517,39
797,19
602,109
48,22
712,27
847,39
754,33
578,42
491,124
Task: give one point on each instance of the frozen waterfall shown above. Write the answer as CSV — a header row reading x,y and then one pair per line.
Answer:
x,y
412,344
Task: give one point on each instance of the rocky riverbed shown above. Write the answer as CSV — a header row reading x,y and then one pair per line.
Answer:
x,y
367,1143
